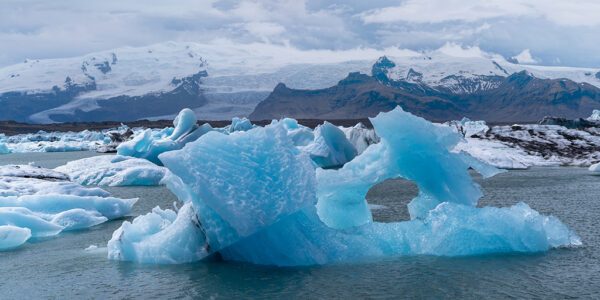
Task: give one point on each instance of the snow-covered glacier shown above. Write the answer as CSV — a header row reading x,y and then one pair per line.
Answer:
x,y
37,202
265,201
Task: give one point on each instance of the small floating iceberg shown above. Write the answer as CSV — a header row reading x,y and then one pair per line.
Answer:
x,y
113,170
255,197
42,202
146,145
595,168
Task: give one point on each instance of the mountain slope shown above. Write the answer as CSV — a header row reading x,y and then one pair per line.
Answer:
x,y
518,97
221,80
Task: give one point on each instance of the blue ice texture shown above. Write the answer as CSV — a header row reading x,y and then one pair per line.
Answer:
x,y
257,197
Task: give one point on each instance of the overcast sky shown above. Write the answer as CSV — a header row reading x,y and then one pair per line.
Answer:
x,y
548,32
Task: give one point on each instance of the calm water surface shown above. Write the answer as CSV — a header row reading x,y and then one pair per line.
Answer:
x,y
59,267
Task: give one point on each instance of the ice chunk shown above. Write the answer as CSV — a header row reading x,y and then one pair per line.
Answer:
x,y
184,123
78,218
43,202
595,115
161,237
111,170
238,124
468,128
25,218
31,171
360,136
13,236
595,168
3,148
149,147
300,135
330,148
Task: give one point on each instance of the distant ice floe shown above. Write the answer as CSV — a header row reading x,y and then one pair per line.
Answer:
x,y
38,202
523,146
595,116
86,140
265,201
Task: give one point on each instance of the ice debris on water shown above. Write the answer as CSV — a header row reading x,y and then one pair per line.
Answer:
x,y
264,201
595,115
595,168
113,170
43,141
38,202
148,146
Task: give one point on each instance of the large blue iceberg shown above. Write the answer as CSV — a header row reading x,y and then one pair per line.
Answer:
x,y
257,197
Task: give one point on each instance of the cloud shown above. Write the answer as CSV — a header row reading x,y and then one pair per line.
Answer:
x,y
557,32
525,57
568,13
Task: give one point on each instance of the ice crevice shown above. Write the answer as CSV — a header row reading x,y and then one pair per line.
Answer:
x,y
265,201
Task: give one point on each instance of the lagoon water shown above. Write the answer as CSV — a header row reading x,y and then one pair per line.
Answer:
x,y
59,267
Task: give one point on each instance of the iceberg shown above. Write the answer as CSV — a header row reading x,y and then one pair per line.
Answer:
x,y
330,147
255,197
595,168
238,124
161,237
85,140
42,203
113,170
146,145
595,115
13,236
3,148
360,136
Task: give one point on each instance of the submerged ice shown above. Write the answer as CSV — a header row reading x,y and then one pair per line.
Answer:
x,y
257,196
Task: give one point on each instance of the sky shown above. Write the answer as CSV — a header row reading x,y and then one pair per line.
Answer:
x,y
535,31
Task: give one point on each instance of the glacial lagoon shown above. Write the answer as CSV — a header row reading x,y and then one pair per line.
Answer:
x,y
61,267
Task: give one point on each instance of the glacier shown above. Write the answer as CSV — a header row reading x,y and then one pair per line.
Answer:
x,y
113,170
265,201
37,202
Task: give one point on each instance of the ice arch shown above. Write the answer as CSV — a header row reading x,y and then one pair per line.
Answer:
x,y
255,197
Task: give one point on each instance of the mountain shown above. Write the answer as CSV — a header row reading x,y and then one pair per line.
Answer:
x,y
157,81
494,97
223,80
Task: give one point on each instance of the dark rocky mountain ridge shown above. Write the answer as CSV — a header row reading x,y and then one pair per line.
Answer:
x,y
520,97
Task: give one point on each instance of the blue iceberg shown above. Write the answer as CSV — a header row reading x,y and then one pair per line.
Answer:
x,y
257,197
113,170
148,146
38,202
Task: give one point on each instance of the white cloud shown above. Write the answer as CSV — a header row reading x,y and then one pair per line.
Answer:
x,y
525,57
51,29
568,13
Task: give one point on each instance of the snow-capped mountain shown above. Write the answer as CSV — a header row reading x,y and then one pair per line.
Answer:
x,y
221,80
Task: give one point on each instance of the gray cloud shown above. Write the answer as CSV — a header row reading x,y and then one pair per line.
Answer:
x,y
566,33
